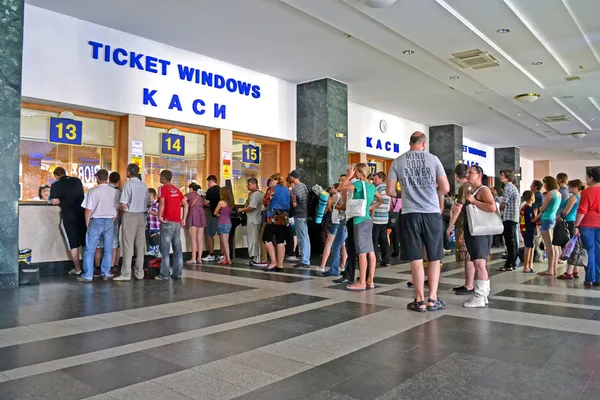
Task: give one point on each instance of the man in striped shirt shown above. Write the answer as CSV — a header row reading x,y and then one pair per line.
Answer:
x,y
381,215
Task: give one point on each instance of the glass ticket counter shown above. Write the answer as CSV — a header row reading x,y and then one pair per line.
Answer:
x,y
187,168
252,158
39,157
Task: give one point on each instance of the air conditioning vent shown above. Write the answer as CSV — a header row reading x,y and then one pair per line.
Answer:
x,y
572,78
474,59
558,118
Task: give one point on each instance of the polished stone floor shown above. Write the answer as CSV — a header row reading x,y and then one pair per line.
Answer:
x,y
236,332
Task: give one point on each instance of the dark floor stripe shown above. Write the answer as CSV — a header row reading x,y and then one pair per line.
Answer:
x,y
554,297
240,273
67,346
544,309
118,372
404,292
62,297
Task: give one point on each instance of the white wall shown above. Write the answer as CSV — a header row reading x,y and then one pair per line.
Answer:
x,y
574,169
527,175
59,66
365,134
473,153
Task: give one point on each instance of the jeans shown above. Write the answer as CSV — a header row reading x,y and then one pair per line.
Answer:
x,y
591,242
380,238
510,240
98,227
340,237
170,235
303,239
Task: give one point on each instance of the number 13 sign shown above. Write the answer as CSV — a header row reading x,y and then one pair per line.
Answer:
x,y
65,131
173,145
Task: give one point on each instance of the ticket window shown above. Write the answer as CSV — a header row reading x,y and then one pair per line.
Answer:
x,y
39,157
252,158
186,169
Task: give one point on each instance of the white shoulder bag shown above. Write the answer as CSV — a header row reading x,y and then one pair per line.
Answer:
x,y
483,223
356,207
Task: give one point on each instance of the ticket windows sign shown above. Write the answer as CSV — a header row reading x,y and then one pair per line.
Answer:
x,y
475,153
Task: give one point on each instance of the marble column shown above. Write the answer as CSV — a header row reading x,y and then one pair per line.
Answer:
x,y
322,131
446,142
508,158
11,48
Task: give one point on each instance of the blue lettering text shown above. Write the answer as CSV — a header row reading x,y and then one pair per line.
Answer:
x,y
219,111
135,60
148,97
175,103
95,47
185,73
388,146
116,59
369,142
195,105
151,64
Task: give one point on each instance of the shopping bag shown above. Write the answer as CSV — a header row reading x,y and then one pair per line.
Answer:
x,y
569,247
579,256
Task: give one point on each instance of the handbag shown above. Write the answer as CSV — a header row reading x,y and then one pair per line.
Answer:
x,y
483,223
579,256
153,238
394,215
357,207
561,234
567,251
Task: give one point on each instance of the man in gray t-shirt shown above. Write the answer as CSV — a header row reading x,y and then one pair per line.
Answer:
x,y
423,184
253,210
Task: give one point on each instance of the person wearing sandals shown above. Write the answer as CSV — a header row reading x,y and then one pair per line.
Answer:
x,y
547,216
363,226
457,221
277,201
223,212
196,222
528,230
587,224
569,213
424,185
335,198
479,247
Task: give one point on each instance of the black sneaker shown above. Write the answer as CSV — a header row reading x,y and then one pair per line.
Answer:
x,y
341,280
300,265
456,289
464,292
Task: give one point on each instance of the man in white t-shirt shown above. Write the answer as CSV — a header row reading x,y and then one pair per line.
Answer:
x,y
100,204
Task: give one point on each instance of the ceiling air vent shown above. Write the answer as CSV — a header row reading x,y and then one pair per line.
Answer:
x,y
474,59
558,118
572,78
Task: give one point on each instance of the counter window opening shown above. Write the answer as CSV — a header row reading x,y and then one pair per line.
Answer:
x,y
39,157
187,168
266,153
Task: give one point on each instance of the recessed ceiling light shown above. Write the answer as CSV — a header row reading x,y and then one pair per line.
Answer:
x,y
503,31
518,115
580,107
455,77
408,52
592,119
537,63
527,98
537,125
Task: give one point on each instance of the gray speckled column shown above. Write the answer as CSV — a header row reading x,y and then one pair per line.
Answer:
x,y
446,142
508,158
321,156
11,48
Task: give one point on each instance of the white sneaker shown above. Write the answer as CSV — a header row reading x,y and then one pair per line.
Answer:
x,y
121,278
482,291
209,258
292,258
321,270
220,258
73,272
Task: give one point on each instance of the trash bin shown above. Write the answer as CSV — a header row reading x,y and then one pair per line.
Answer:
x,y
28,274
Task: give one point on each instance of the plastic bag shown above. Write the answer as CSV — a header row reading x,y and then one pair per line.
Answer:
x,y
579,256
568,249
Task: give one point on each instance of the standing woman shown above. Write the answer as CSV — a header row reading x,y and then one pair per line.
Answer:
x,y
547,216
196,222
587,225
478,247
334,199
223,211
277,201
363,226
569,213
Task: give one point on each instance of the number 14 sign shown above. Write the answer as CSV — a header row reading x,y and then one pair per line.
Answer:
x,y
173,145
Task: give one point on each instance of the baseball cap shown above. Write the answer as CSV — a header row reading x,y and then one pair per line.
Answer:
x,y
295,174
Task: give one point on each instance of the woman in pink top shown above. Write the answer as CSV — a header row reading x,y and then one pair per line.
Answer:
x,y
587,225
196,222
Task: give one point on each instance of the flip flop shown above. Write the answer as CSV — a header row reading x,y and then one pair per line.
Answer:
x,y
545,273
356,288
531,271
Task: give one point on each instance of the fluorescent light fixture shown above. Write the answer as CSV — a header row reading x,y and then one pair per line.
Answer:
x,y
563,105
594,102
535,33
586,37
472,27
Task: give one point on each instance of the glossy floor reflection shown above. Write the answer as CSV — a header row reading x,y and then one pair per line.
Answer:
x,y
237,332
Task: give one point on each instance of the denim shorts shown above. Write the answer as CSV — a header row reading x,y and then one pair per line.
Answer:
x,y
224,229
212,226
333,228
548,224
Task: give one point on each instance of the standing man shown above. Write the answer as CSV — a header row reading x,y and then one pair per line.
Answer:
x,y
170,201
253,210
510,206
67,193
536,188
213,196
300,194
424,184
381,217
101,205
563,181
134,204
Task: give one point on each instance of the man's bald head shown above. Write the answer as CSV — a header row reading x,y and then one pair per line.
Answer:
x,y
417,141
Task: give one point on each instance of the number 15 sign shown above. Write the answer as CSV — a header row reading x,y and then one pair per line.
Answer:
x,y
173,145
65,131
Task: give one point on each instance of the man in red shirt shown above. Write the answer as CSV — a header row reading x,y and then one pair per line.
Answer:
x,y
170,201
